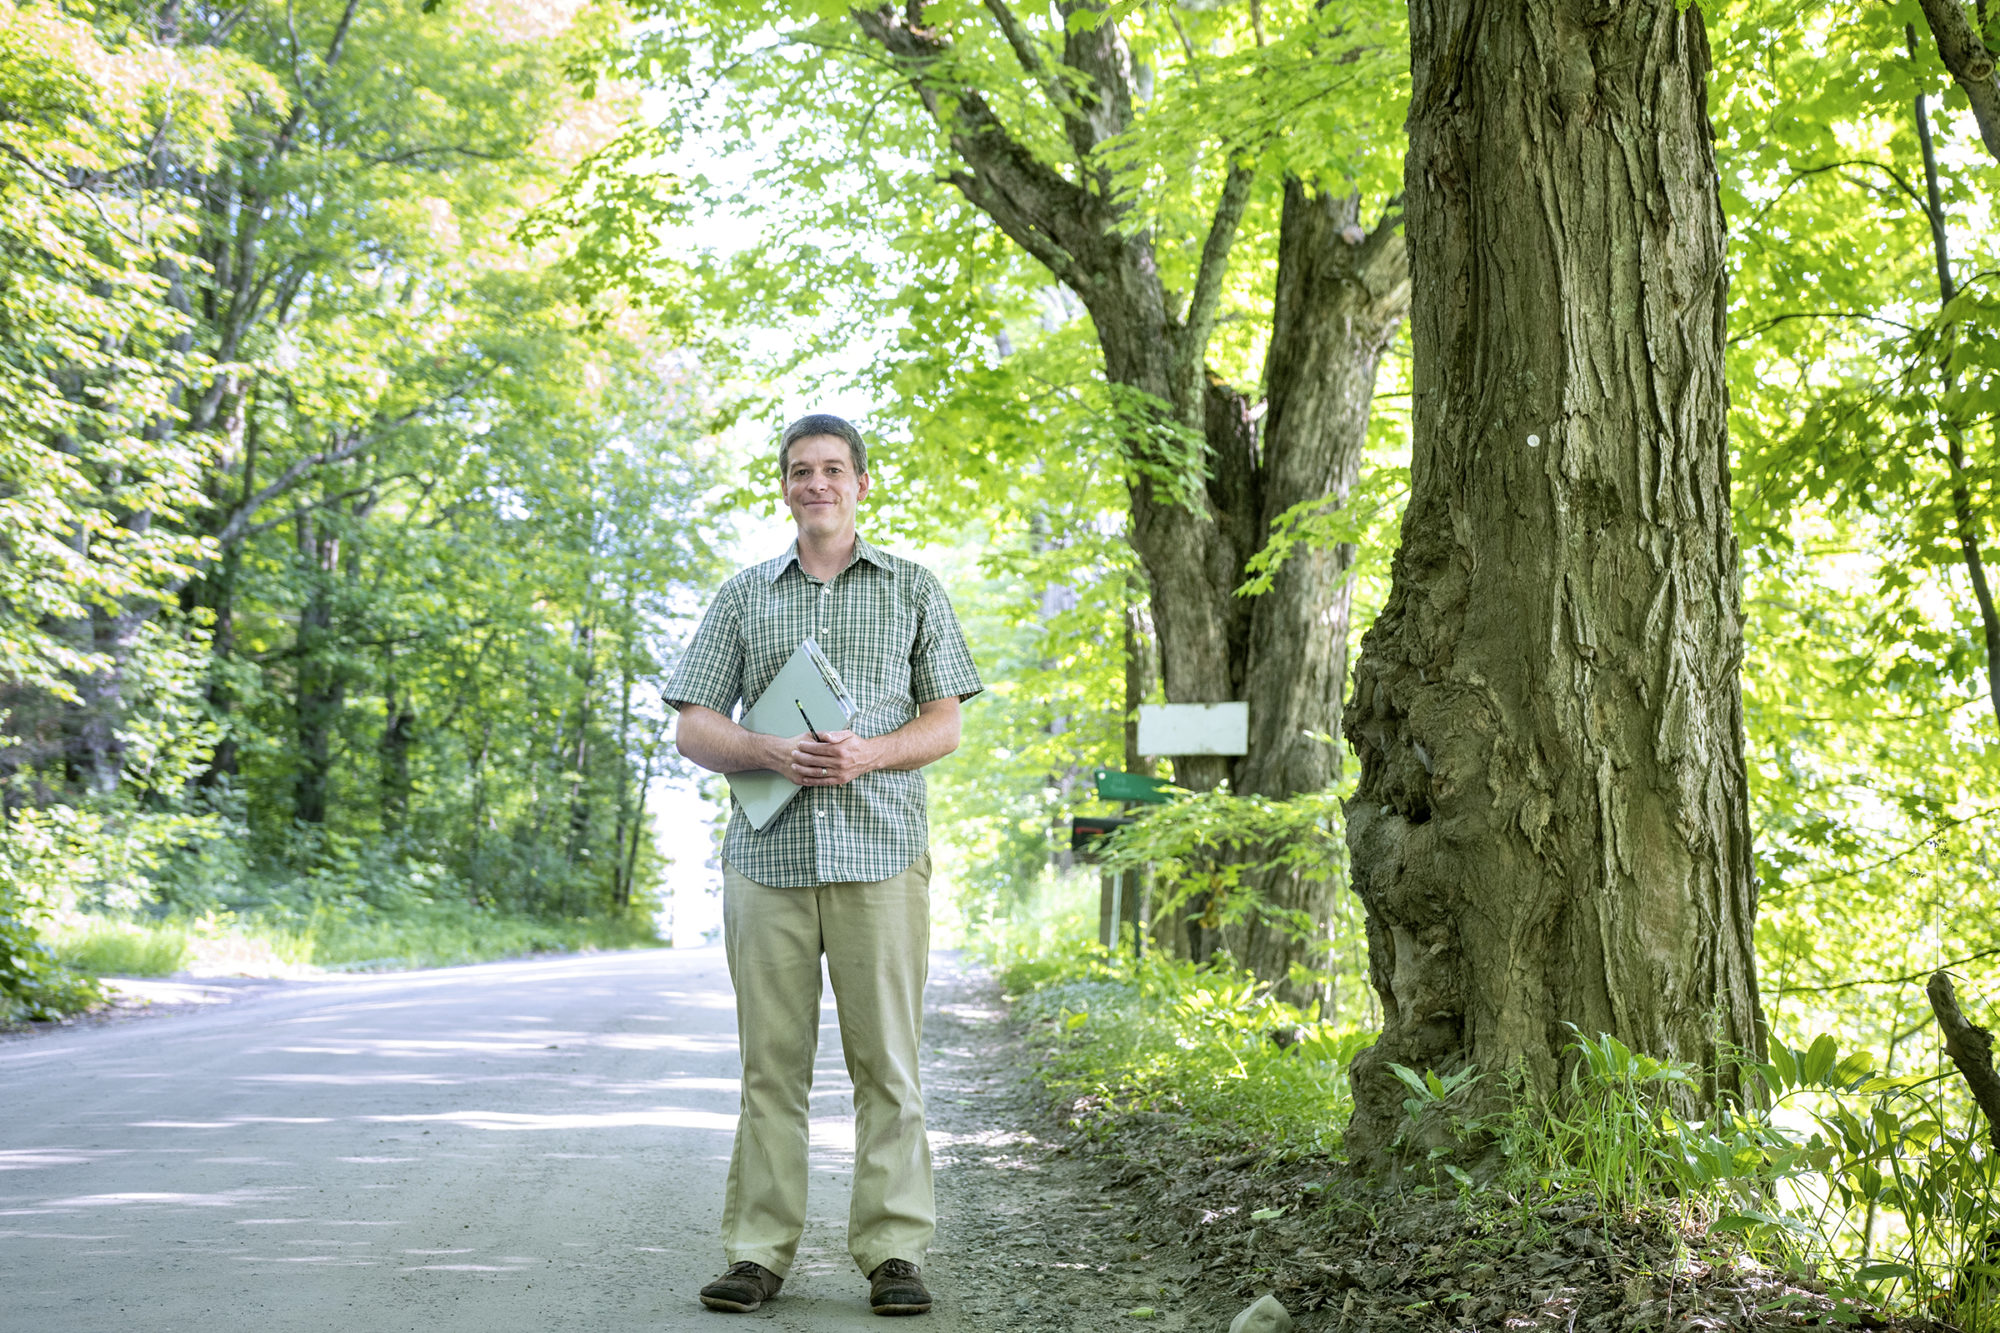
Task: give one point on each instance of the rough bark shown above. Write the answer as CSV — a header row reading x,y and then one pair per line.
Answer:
x,y
1971,65
1339,303
1551,825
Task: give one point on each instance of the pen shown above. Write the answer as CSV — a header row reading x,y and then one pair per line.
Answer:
x,y
810,728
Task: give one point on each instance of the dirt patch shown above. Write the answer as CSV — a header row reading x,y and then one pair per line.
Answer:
x,y
1343,1255
1032,1235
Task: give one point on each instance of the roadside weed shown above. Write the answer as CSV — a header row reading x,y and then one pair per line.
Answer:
x,y
1208,1045
107,948
1883,1188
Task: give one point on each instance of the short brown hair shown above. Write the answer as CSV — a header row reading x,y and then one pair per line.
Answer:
x,y
823,423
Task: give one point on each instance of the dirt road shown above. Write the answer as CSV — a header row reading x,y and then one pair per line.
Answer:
x,y
524,1146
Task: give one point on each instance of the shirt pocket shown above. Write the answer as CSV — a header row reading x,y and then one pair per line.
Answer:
x,y
885,654
773,629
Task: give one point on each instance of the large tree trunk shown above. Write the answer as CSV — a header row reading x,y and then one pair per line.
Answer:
x,y
1551,826
1341,296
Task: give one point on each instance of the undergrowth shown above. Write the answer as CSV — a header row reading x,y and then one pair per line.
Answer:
x,y
1880,1189
340,937
1156,1035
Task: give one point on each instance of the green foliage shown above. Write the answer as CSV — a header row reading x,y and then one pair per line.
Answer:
x,y
88,361
34,983
1870,736
1208,1047
1896,1186
1214,847
438,934
344,543
1041,616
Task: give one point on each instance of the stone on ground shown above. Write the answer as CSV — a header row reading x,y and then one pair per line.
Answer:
x,y
1266,1316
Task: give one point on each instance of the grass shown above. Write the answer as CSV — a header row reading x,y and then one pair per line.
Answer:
x,y
433,934
1158,1035
102,947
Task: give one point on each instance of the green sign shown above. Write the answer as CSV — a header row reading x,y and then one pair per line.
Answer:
x,y
1113,785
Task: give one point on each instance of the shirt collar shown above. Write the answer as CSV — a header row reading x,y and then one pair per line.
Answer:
x,y
862,551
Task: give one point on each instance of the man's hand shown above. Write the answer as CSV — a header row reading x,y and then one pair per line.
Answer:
x,y
834,762
721,746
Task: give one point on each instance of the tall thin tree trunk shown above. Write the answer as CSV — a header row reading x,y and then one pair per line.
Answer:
x,y
1552,826
321,688
1965,517
621,885
579,757
399,726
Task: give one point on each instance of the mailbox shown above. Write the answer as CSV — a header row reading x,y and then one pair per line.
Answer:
x,y
1087,832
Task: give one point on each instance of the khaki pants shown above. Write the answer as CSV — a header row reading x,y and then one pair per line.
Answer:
x,y
876,939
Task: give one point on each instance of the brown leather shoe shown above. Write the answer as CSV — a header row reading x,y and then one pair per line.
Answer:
x,y
895,1288
742,1289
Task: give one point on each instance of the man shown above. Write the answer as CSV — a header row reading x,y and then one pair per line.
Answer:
x,y
843,870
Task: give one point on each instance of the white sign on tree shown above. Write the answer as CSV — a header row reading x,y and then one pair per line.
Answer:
x,y
1194,728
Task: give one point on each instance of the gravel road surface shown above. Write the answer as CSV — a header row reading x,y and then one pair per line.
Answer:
x,y
534,1145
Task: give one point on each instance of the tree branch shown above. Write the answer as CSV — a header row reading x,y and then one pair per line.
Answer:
x,y
1880,981
1970,63
1200,322
1029,53
1765,326
1022,194
300,511
238,526
411,154
1970,1048
1099,53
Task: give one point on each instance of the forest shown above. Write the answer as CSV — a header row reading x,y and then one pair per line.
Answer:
x,y
1572,430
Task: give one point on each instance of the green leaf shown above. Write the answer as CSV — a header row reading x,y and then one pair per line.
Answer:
x,y
1819,1060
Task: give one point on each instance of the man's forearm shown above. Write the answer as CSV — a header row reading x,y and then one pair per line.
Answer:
x,y
721,745
926,738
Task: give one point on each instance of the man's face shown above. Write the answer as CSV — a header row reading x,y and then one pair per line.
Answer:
x,y
822,489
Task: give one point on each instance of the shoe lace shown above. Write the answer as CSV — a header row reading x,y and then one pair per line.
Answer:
x,y
745,1268
897,1268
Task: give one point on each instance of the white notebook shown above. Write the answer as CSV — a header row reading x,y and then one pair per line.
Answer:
x,y
807,681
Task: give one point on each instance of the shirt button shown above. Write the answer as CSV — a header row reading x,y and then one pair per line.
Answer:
x,y
819,814
826,590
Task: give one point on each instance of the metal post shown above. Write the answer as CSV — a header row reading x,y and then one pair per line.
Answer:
x,y
1117,908
1145,917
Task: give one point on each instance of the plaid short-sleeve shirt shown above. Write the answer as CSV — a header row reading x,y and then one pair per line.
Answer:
x,y
888,628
